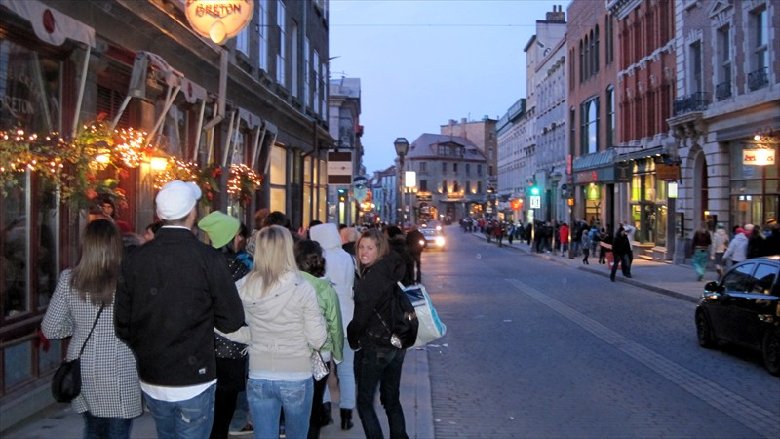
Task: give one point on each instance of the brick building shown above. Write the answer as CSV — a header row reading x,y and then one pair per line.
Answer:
x,y
646,74
593,130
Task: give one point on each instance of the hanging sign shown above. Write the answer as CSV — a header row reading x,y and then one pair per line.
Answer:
x,y
758,157
219,19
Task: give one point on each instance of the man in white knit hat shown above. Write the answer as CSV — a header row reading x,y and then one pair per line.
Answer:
x,y
173,291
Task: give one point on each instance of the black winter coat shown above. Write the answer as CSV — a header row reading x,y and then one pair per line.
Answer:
x,y
373,288
172,292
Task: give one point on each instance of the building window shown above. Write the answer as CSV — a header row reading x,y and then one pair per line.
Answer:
x,y
695,79
423,167
242,41
455,168
468,169
315,65
455,186
281,20
760,29
723,87
610,128
590,126
468,187
582,63
479,170
609,54
572,130
479,187
306,73
294,46
444,186
758,76
423,185
596,51
587,57
443,167
262,34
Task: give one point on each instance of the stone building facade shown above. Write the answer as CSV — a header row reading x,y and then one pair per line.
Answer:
x,y
344,113
451,178
728,92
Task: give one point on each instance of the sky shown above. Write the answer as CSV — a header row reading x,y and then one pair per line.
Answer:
x,y
424,62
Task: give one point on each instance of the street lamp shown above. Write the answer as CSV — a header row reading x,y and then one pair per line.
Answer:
x,y
401,148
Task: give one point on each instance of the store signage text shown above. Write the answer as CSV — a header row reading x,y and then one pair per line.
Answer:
x,y
758,157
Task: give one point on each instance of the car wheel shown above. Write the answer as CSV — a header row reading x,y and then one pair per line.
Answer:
x,y
704,330
770,351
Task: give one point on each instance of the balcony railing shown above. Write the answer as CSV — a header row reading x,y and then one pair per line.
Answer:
x,y
723,90
758,79
693,102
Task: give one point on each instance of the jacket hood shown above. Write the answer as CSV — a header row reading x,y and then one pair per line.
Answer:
x,y
327,235
270,305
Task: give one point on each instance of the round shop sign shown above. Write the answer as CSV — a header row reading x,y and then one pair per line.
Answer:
x,y
219,19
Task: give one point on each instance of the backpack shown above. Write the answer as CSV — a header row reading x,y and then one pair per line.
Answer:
x,y
402,325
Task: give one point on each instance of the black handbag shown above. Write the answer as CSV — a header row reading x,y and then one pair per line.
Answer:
x,y
403,325
66,384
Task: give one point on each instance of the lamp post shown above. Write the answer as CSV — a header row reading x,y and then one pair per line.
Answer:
x,y
401,148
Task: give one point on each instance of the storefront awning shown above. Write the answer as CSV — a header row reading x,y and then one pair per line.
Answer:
x,y
594,161
642,153
49,24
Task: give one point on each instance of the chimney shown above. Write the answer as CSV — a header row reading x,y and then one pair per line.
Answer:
x,y
463,120
557,14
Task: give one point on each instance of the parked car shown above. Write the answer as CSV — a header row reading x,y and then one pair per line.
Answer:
x,y
744,308
434,239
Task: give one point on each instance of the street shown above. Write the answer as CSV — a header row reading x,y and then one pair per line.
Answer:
x,y
537,348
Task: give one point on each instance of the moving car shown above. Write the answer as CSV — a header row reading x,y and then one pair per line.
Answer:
x,y
744,309
434,239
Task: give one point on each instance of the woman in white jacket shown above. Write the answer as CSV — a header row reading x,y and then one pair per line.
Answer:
x,y
737,249
284,325
340,269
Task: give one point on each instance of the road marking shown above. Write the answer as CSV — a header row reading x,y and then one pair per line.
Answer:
x,y
733,405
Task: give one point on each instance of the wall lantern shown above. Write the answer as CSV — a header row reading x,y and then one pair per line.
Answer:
x,y
158,163
672,189
219,19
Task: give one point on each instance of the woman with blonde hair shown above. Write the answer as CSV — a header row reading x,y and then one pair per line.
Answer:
x,y
378,361
84,299
284,325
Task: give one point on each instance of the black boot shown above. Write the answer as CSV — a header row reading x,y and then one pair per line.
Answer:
x,y
346,419
325,418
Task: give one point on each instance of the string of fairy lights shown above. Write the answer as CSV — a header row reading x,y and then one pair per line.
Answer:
x,y
75,167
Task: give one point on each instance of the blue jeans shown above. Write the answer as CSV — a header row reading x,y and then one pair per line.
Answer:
x,y
267,398
380,366
106,428
192,418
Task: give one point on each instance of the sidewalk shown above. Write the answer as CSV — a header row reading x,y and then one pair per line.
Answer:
x,y
60,422
678,281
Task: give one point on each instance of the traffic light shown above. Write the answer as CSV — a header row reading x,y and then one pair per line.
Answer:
x,y
342,195
534,190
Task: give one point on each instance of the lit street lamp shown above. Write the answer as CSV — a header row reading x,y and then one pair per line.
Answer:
x,y
401,148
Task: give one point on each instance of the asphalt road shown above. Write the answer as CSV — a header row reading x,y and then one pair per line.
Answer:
x,y
539,349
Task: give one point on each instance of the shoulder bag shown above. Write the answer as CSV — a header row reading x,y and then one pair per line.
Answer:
x,y
66,384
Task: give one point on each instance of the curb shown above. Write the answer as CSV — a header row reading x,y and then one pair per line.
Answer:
x,y
659,290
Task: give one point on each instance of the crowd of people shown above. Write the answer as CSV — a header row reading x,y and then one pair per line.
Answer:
x,y
214,328
585,239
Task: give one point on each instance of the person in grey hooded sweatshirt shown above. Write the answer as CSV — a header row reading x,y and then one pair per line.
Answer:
x,y
340,269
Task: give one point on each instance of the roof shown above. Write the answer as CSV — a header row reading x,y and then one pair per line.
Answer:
x,y
425,146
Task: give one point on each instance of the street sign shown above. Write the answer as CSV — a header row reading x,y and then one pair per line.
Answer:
x,y
536,201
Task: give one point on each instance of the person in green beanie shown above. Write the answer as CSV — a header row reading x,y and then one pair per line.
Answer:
x,y
223,232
